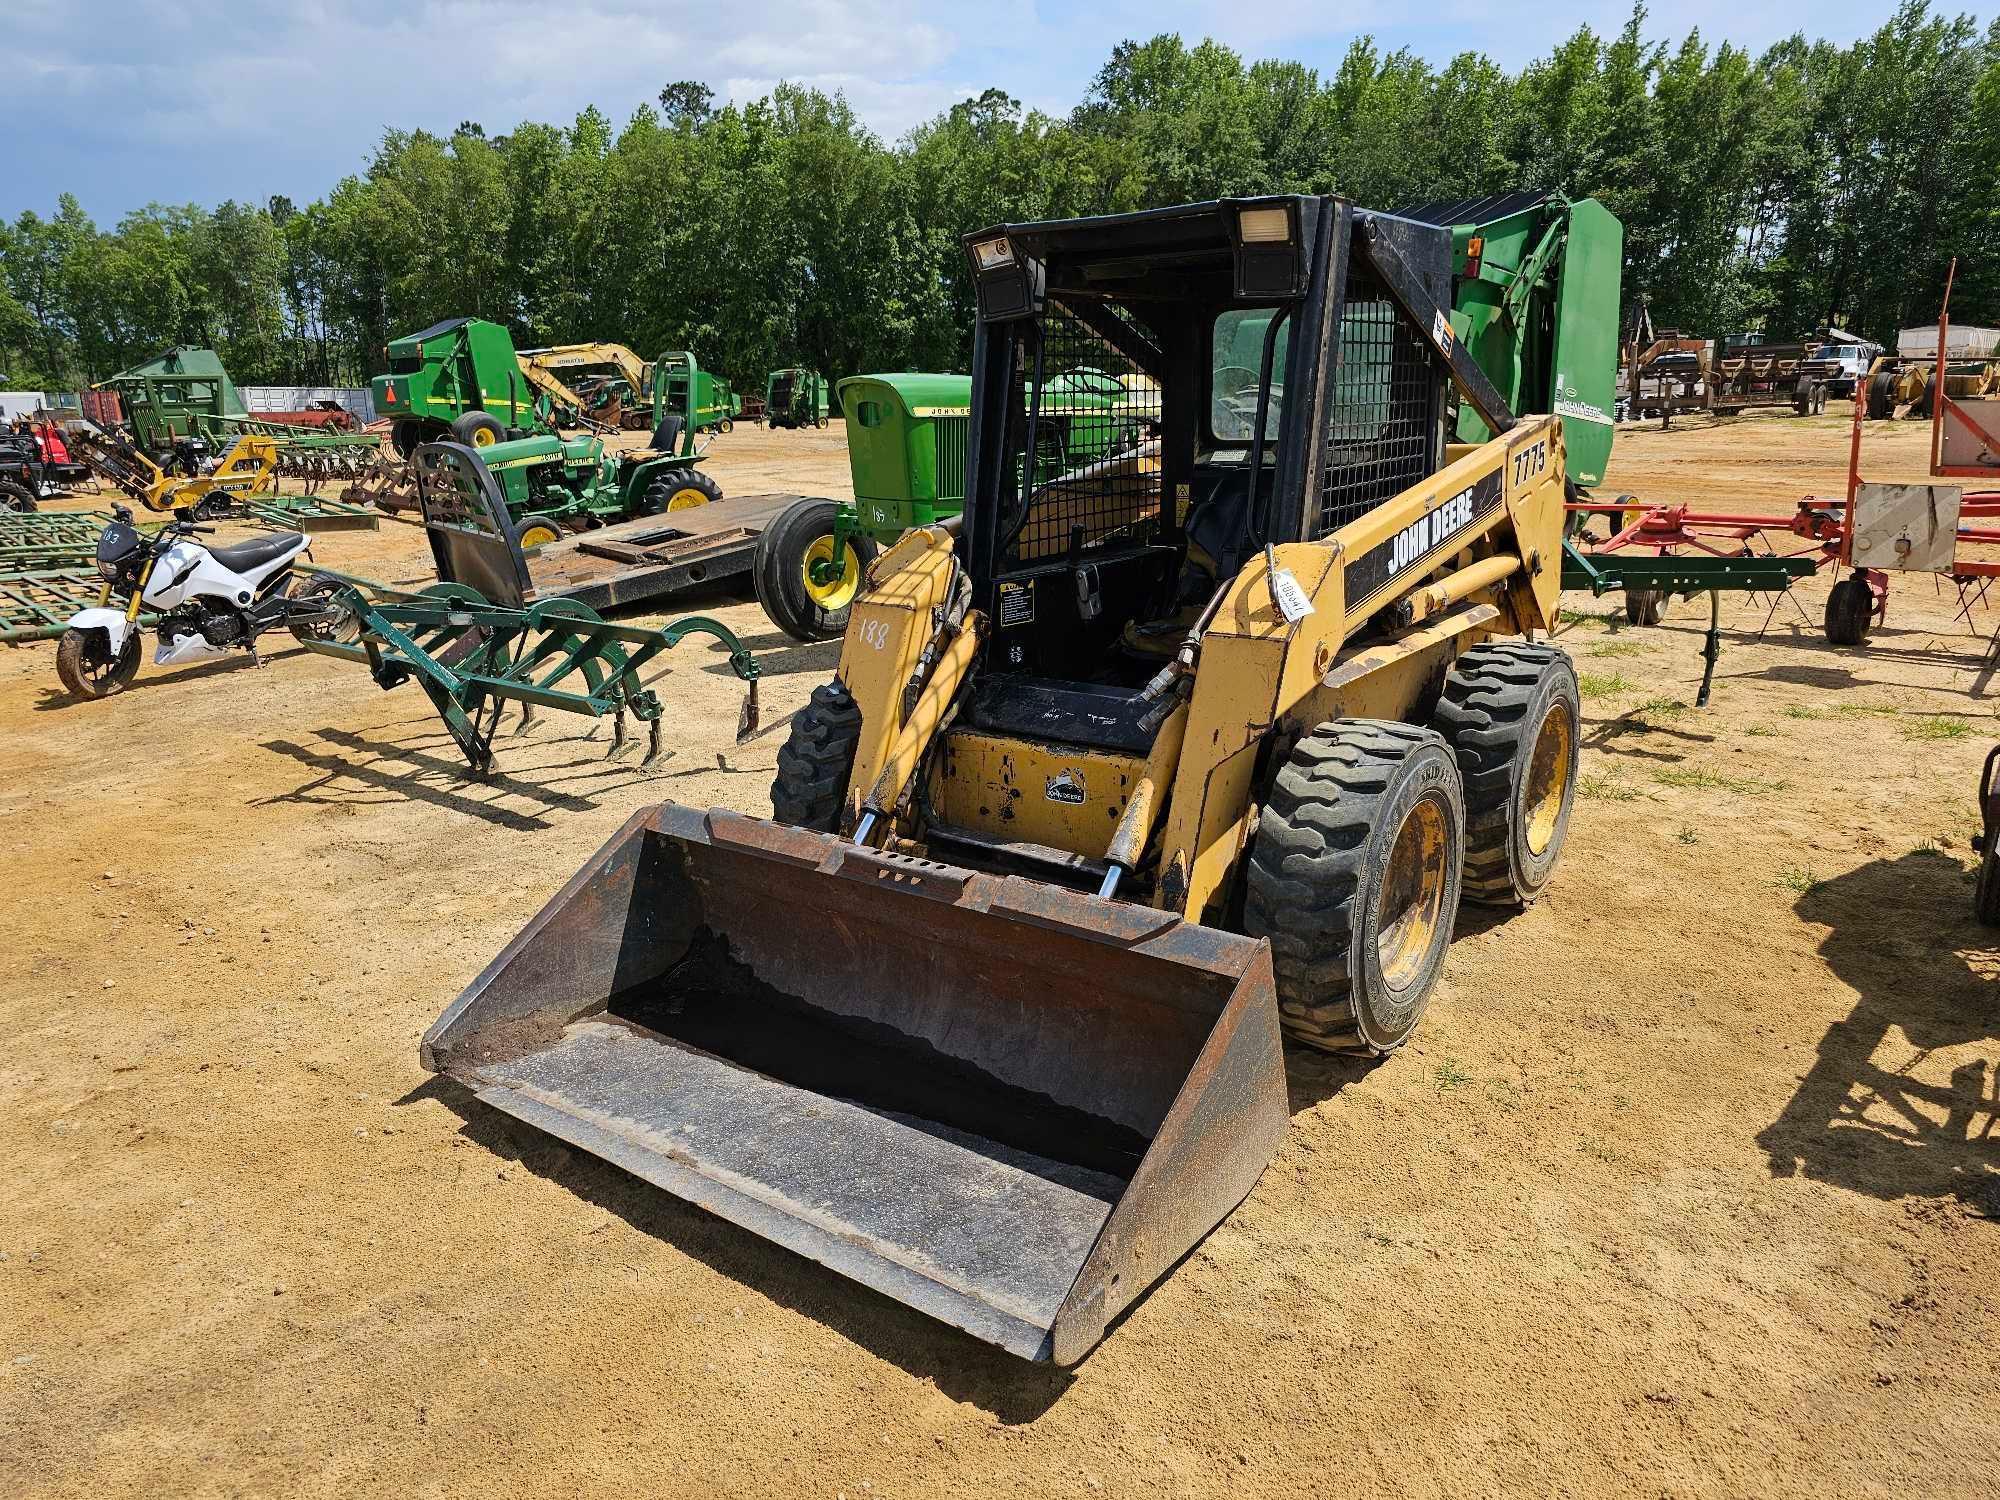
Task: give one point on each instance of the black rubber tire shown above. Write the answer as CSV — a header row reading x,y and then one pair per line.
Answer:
x,y
662,490
778,569
1819,400
478,429
534,525
408,435
1645,606
1850,611
1495,703
17,497
1882,395
1986,891
1316,867
816,760
83,662
316,588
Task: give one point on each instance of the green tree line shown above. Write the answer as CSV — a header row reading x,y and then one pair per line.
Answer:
x,y
1812,184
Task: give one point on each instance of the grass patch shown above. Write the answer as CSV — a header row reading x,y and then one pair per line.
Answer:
x,y
1619,648
1867,710
1447,1076
1661,708
1800,711
1700,779
1936,727
1586,621
1687,835
1801,882
1761,731
1928,849
1602,684
1606,789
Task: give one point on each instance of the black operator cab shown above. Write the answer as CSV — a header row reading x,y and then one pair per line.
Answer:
x,y
1158,395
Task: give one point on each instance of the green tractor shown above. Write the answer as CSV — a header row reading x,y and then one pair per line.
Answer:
x,y
795,398
462,380
554,486
906,438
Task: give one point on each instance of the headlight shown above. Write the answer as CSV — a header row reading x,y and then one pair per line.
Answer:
x,y
107,568
994,253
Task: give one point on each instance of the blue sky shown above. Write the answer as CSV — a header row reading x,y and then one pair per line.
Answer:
x,y
128,101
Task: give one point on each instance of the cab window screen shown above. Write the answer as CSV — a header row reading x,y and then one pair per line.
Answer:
x,y
1382,424
1093,418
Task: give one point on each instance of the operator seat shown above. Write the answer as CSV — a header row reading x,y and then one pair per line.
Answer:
x,y
1217,530
245,557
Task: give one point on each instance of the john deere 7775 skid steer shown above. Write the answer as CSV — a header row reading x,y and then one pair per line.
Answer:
x,y
1148,760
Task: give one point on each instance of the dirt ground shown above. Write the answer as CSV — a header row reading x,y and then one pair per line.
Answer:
x,y
1687,1185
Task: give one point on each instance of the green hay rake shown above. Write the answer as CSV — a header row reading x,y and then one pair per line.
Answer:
x,y
475,642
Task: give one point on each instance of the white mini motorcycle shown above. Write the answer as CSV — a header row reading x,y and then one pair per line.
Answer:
x,y
207,600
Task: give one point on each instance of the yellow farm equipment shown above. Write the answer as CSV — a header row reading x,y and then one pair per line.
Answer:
x,y
1147,761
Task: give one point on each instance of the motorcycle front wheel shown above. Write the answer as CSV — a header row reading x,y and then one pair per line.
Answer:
x,y
88,667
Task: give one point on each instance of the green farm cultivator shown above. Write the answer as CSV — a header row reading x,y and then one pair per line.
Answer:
x,y
476,642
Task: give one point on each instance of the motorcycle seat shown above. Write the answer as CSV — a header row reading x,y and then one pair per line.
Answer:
x,y
246,556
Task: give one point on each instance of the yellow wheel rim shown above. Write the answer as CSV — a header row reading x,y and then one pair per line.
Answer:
x,y
1548,779
483,437
838,593
538,534
1411,903
686,499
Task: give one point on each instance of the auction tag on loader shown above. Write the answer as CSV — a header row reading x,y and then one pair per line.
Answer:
x,y
1290,598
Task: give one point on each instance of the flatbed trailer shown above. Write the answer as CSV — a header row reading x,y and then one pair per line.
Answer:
x,y
651,557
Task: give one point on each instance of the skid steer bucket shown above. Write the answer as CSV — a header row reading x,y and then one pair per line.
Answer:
x,y
1010,1106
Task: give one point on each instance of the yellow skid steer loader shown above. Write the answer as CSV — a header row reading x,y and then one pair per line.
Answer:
x,y
1190,734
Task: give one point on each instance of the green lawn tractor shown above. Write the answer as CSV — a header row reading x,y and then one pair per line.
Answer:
x,y
553,486
459,380
906,437
795,398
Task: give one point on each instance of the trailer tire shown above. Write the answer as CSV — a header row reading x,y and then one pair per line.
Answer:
x,y
17,497
1986,891
1364,815
817,760
682,489
1511,712
786,549
1645,606
1850,611
476,429
86,667
1881,395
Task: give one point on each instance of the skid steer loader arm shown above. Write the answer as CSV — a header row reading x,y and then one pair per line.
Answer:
x,y
1015,1123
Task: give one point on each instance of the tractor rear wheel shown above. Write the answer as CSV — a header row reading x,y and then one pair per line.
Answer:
x,y
478,430
1354,876
793,571
683,489
817,760
1850,611
1510,712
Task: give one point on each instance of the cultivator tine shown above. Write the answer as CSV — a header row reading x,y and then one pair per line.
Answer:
x,y
617,735
652,742
527,718
746,722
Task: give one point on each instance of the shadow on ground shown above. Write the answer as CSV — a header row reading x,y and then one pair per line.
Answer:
x,y
1880,1112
